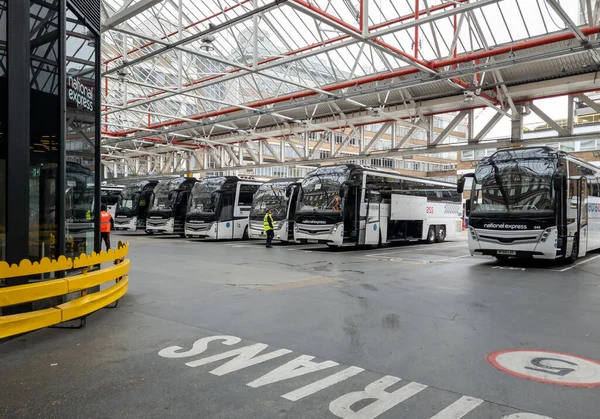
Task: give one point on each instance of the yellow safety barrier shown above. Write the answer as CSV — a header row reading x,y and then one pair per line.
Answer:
x,y
15,324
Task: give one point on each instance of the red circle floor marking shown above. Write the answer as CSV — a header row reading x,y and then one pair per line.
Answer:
x,y
511,362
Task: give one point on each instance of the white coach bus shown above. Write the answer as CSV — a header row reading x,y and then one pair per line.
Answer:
x,y
110,196
367,206
219,207
279,195
534,202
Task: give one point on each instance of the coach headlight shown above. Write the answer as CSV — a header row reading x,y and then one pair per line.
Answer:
x,y
337,226
473,233
545,235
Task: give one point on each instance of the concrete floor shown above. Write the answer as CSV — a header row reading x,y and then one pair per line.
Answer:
x,y
428,314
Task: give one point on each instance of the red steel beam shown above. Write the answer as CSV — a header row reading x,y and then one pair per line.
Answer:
x,y
519,46
417,29
194,146
384,76
360,15
326,15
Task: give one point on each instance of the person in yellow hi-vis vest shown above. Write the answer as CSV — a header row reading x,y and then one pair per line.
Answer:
x,y
268,225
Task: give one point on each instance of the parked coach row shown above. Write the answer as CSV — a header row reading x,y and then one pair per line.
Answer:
x,y
334,205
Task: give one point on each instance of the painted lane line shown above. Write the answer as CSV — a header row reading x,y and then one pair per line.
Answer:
x,y
312,388
384,401
459,408
580,263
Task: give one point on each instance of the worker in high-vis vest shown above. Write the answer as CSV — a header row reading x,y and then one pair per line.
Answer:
x,y
105,221
268,225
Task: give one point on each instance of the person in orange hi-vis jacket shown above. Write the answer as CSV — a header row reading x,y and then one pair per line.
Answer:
x,y
105,221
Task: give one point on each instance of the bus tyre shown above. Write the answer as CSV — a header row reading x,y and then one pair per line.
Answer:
x,y
182,235
441,235
245,236
574,251
431,235
149,232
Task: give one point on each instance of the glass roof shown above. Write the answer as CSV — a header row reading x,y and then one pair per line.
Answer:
x,y
189,70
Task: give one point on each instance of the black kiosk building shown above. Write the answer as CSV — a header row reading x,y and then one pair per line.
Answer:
x,y
49,128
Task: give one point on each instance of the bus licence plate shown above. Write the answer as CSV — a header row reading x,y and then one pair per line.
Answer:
x,y
312,241
507,252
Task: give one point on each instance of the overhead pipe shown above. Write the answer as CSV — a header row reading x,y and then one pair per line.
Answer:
x,y
384,76
520,101
519,46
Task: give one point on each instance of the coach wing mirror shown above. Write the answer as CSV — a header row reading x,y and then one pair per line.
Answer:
x,y
460,186
558,181
289,189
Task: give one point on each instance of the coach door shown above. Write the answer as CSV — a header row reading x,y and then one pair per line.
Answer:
x,y
372,222
582,216
577,214
225,224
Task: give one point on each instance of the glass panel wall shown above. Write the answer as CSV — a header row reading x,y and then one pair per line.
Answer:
x,y
80,143
3,123
44,66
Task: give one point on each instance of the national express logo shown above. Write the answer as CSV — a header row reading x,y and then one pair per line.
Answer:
x,y
314,222
81,94
504,226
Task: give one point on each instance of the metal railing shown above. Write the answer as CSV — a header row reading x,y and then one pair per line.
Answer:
x,y
84,304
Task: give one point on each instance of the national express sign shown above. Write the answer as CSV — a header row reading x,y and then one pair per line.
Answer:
x,y
80,93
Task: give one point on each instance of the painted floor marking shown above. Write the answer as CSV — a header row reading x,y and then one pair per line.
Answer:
x,y
519,268
412,260
547,367
341,407
377,393
459,408
409,250
312,388
509,268
580,263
